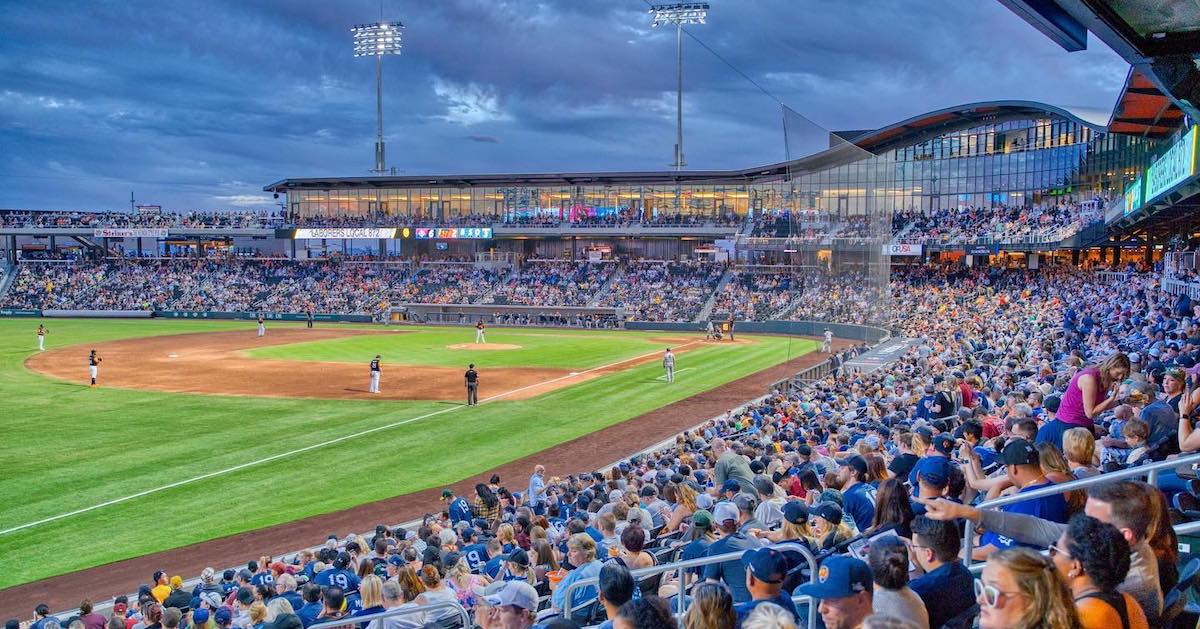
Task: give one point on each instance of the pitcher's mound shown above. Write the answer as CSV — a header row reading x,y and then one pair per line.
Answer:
x,y
483,346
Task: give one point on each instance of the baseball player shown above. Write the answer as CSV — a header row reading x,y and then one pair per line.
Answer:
x,y
708,331
472,380
669,365
309,317
375,375
479,332
262,325
41,334
93,366
730,323
827,346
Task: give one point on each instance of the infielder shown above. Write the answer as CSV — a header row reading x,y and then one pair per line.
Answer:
x,y
472,380
262,325
827,346
709,333
479,332
669,365
93,366
375,375
41,334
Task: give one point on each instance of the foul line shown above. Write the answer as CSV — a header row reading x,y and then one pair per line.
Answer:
x,y
275,457
678,371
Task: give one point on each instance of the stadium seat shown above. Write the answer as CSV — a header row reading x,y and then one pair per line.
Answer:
x,y
965,620
1175,601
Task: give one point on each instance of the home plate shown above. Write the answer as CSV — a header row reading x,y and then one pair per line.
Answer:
x,y
172,355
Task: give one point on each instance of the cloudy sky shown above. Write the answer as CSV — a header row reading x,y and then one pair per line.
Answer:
x,y
200,104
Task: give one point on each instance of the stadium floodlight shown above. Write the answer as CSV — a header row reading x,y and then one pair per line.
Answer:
x,y
377,40
679,14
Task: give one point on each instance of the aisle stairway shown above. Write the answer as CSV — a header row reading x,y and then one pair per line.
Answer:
x,y
706,310
618,273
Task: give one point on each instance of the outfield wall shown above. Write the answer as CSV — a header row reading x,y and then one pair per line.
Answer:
x,y
865,333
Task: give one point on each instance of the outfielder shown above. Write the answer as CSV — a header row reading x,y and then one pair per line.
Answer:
x,y
479,332
93,366
827,346
669,365
472,380
262,325
41,334
375,375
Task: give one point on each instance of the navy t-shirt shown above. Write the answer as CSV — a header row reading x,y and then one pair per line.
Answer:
x,y
781,599
859,501
1052,432
476,555
947,592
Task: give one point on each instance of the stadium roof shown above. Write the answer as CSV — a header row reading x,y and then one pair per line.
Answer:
x,y
898,135
1159,38
1142,109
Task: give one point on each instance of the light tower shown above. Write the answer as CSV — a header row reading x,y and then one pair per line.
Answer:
x,y
377,40
679,14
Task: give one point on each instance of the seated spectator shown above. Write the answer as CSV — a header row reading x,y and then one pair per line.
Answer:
x,y
616,589
945,585
888,559
712,608
844,589
765,571
1093,558
1022,462
1020,589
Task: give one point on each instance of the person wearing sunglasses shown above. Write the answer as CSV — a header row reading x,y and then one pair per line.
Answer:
x,y
1020,589
1093,558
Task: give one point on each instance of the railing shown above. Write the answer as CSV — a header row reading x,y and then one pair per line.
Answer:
x,y
683,566
1150,471
348,621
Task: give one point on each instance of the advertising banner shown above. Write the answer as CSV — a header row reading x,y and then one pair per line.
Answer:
x,y
1133,196
896,249
128,232
322,233
1177,164
450,233
250,316
19,312
979,250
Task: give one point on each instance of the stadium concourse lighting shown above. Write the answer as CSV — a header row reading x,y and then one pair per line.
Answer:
x,y
377,40
679,14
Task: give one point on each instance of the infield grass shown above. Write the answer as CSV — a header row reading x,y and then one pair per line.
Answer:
x,y
67,447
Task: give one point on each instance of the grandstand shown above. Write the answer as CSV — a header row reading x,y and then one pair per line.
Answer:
x,y
1022,453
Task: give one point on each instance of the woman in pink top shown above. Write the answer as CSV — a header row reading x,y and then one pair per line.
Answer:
x,y
1085,396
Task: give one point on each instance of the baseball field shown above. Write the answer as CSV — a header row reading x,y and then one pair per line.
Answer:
x,y
202,430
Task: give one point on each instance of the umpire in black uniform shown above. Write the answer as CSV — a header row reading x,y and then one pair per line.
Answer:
x,y
472,379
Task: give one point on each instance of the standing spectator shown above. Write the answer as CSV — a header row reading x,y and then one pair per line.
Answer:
x,y
91,620
537,490
460,510
1093,390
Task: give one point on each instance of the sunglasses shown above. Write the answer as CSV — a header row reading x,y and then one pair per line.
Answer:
x,y
1054,550
989,594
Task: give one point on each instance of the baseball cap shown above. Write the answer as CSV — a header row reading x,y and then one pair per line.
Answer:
x,y
1052,402
517,594
838,577
704,501
745,502
224,616
730,485
766,564
827,510
725,511
519,557
212,598
395,560
176,582
795,511
858,463
245,595
702,519
446,493
944,443
199,617
935,470
1019,452
158,574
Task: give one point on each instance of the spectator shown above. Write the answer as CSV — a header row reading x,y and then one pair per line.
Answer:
x,y
581,553
1093,558
888,559
616,589
1020,589
843,587
944,586
765,571
732,573
650,612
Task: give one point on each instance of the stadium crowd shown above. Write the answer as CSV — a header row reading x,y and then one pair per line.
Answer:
x,y
1016,381
658,290
967,224
553,282
756,296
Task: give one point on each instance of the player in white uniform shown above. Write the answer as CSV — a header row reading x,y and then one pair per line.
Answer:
x,y
827,346
93,367
375,372
41,334
669,365
262,325
479,333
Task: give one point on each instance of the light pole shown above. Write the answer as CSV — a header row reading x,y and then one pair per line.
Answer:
x,y
679,14
377,40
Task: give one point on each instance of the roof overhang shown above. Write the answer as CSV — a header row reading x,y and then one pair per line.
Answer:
x,y
1142,109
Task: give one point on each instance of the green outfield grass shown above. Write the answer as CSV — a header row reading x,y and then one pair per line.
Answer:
x,y
67,447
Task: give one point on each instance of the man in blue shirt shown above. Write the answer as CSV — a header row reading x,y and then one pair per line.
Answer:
x,y
460,509
1052,430
475,552
946,588
537,490
1021,461
765,571
312,604
338,575
732,573
858,497
845,588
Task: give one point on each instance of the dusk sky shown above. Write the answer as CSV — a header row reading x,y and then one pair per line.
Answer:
x,y
197,105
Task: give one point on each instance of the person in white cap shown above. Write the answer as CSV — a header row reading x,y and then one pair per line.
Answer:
x,y
513,606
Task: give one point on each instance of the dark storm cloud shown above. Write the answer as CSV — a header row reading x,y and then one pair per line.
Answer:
x,y
200,104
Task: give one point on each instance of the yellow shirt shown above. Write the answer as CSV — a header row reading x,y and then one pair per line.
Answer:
x,y
160,592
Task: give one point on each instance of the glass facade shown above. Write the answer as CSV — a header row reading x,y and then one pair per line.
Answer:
x,y
1016,162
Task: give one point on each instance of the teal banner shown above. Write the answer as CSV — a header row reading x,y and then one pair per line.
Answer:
x,y
269,316
19,312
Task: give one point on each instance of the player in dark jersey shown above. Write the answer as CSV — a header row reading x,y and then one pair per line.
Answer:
x,y
472,380
93,366
309,317
375,373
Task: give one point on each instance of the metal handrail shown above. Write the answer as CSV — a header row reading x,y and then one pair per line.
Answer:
x,y
683,566
1150,471
460,611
